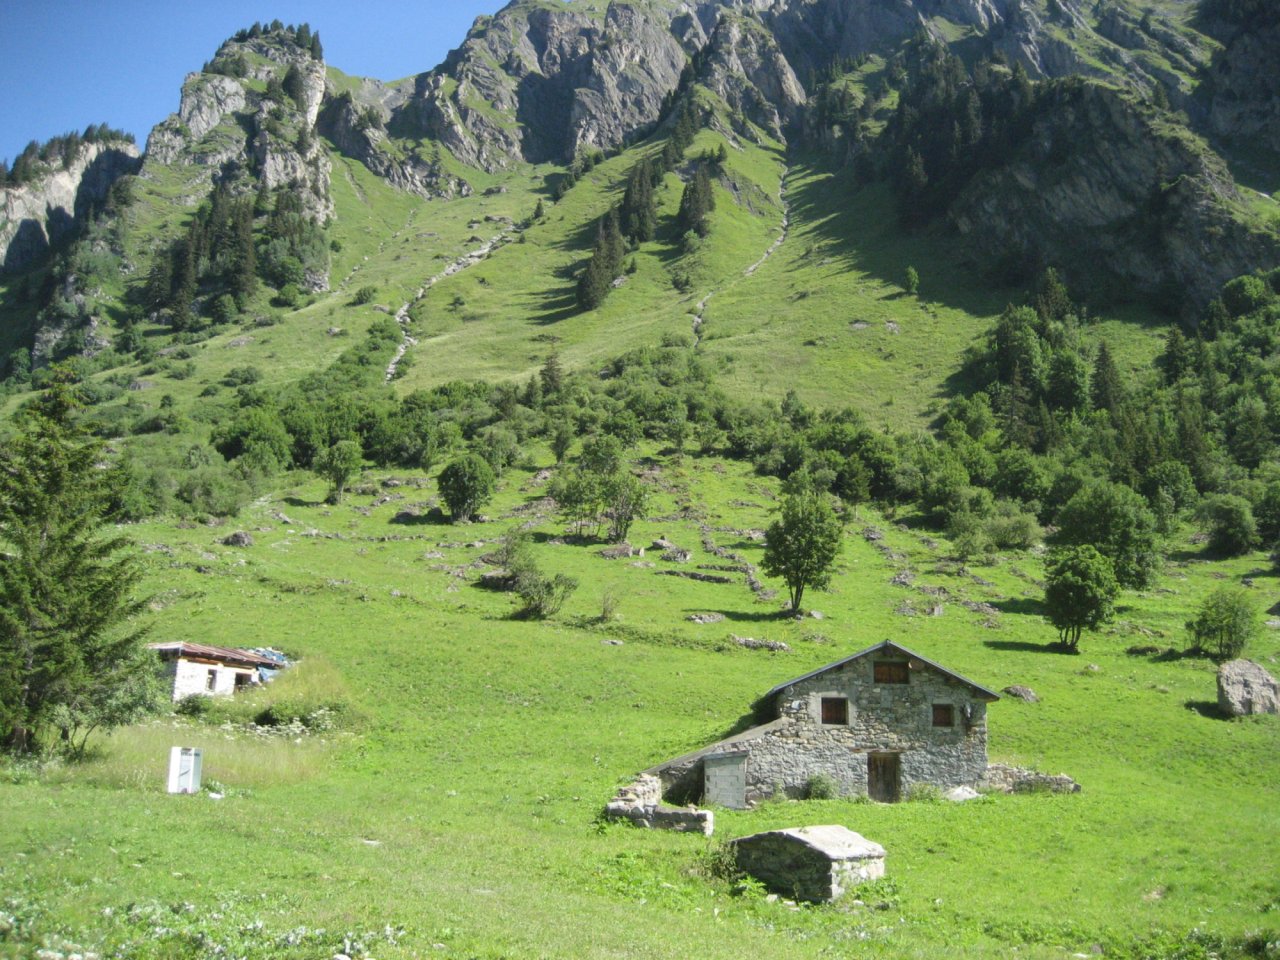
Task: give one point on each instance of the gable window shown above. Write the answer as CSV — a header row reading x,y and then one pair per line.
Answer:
x,y
835,711
211,680
944,715
890,671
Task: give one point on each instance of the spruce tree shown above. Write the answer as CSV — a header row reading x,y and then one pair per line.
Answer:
x,y
695,203
638,215
71,657
1105,388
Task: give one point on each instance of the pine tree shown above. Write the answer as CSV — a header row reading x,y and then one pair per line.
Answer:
x,y
184,283
638,214
1105,388
71,657
695,203
605,263
317,49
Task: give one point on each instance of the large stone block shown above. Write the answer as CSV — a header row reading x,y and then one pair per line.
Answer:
x,y
810,863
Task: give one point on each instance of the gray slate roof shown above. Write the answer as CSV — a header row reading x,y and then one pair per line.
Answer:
x,y
889,646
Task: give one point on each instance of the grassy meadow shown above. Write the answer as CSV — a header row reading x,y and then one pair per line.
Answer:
x,y
457,815
452,807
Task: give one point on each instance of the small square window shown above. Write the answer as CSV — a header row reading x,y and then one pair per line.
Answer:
x,y
835,711
944,715
211,680
890,671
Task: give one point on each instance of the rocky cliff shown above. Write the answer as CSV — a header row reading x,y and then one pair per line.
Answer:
x,y
1105,185
357,131
226,128
36,215
539,83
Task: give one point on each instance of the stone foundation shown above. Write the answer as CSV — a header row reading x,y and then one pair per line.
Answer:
x,y
641,804
1002,778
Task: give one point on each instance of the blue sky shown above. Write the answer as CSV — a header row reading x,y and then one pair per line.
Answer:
x,y
67,63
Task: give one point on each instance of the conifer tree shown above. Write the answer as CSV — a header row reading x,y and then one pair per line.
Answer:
x,y
1105,388
605,263
317,48
71,657
695,203
638,215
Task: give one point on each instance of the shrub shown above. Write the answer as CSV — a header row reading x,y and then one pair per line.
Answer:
x,y
542,596
1225,623
466,485
364,295
821,786
1232,529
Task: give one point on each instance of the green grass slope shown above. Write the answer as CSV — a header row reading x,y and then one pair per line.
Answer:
x,y
459,817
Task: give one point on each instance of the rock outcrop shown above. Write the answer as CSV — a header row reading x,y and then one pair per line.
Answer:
x,y
1105,182
225,127
538,83
38,214
346,124
1245,688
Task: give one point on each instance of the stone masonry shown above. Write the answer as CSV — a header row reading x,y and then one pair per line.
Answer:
x,y
810,863
876,723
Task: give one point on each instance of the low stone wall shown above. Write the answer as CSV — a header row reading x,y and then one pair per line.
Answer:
x,y
1002,778
640,803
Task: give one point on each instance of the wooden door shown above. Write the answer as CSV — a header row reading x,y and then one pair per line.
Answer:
x,y
884,777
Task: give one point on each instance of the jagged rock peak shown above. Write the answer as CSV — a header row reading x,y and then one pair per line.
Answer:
x,y
539,82
226,126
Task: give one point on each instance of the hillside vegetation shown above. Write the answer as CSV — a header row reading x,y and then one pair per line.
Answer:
x,y
994,290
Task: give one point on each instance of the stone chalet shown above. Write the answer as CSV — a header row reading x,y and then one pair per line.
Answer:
x,y
214,671
877,723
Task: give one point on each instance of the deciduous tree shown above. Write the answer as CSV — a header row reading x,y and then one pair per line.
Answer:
x,y
802,545
1080,591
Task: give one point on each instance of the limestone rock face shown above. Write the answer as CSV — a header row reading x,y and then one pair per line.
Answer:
x,y
341,122
1245,688
747,68
1101,181
224,125
37,214
536,83
1245,83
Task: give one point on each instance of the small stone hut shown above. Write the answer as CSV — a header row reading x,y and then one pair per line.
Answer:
x,y
810,863
876,723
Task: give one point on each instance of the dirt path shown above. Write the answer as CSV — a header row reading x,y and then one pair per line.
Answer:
x,y
701,306
456,266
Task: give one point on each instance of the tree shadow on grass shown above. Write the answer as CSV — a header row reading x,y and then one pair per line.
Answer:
x,y
1025,646
1206,708
1024,605
299,502
743,616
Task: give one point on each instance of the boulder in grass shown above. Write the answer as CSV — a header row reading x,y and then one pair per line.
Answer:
x,y
238,539
1245,688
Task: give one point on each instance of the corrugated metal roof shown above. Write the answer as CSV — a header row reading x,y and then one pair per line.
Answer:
x,y
991,694
226,654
